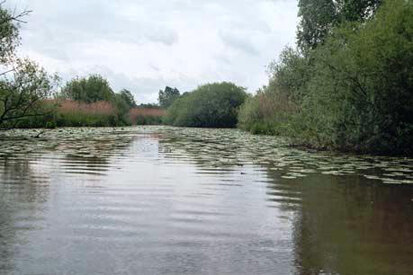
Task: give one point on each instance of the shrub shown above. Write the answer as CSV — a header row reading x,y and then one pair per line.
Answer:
x,y
210,105
271,110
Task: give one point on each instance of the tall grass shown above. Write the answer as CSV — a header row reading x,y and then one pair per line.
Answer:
x,y
146,116
97,114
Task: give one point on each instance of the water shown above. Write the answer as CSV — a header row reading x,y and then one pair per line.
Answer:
x,y
159,200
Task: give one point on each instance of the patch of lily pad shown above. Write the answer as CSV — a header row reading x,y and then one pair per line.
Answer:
x,y
215,148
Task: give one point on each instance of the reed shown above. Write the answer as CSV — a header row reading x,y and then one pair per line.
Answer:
x,y
146,116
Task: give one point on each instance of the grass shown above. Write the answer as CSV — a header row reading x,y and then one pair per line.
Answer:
x,y
146,116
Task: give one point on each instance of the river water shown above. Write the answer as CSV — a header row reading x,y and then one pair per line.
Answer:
x,y
161,200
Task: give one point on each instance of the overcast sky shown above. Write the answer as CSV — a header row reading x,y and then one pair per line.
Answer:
x,y
144,45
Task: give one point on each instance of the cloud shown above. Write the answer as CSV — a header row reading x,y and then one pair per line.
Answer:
x,y
238,41
146,45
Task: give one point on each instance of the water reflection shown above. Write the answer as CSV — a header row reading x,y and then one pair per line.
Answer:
x,y
188,201
345,226
23,192
343,222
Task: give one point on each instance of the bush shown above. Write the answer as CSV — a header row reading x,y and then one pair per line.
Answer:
x,y
271,110
210,105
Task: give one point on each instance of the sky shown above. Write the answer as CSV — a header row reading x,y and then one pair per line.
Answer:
x,y
145,45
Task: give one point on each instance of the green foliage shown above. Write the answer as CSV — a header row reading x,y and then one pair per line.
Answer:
x,y
97,89
353,92
79,119
124,101
270,111
168,96
88,89
361,92
149,106
210,105
319,17
127,98
51,125
289,76
23,84
22,93
9,33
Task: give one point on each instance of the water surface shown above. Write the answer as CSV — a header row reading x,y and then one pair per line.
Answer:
x,y
160,200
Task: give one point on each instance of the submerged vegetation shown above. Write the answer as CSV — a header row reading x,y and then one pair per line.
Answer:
x,y
349,88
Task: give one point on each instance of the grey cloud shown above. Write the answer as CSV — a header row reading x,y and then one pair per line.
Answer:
x,y
151,44
240,42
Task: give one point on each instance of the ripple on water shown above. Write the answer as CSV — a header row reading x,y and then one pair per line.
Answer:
x,y
150,199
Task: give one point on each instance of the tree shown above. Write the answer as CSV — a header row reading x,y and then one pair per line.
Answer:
x,y
22,94
360,95
210,105
168,96
128,98
124,102
23,84
88,89
319,17
9,33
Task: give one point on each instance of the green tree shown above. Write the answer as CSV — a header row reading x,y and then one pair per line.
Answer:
x,y
88,89
9,33
23,84
318,18
124,102
128,98
210,105
168,96
360,95
23,93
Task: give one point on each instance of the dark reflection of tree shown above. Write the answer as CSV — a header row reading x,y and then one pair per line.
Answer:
x,y
20,186
24,184
20,181
93,156
7,236
342,224
345,225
